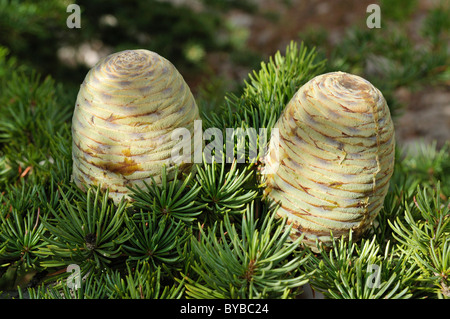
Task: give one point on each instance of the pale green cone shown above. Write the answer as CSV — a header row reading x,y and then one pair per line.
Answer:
x,y
334,160
126,110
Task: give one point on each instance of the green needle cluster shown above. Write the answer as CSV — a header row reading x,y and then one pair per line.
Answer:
x,y
253,262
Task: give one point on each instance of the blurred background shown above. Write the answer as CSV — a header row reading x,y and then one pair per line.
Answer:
x,y
216,43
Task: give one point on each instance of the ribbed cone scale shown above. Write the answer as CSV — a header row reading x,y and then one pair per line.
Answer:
x,y
126,110
334,158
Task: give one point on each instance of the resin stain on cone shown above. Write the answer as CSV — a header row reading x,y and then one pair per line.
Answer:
x,y
127,108
336,157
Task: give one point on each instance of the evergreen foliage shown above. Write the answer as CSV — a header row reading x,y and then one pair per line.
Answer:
x,y
205,235
251,263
